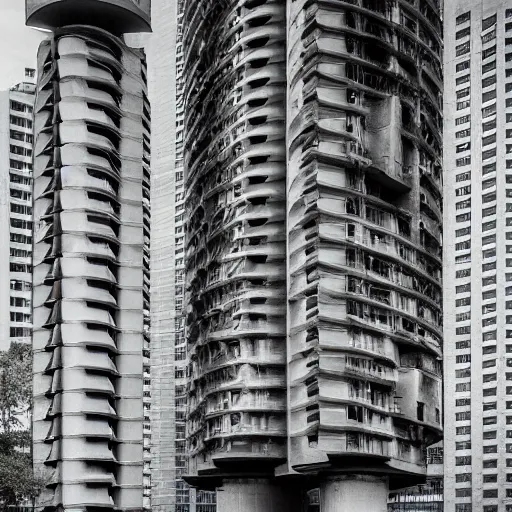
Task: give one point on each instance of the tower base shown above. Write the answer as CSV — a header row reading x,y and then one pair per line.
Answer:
x,y
354,493
255,495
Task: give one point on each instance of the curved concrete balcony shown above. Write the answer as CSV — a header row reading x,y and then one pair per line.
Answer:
x,y
249,401
76,132
78,403
76,108
79,380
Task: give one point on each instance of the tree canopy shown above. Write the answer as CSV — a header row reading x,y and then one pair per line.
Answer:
x,y
17,479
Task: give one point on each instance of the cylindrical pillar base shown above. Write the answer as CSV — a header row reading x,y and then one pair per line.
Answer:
x,y
349,493
253,495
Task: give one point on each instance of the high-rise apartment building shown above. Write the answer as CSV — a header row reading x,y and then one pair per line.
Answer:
x,y
16,142
478,256
91,255
168,347
312,146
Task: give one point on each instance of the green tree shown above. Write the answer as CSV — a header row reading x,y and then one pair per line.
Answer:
x,y
17,479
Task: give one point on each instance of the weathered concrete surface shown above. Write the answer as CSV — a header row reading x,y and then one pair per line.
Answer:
x,y
256,495
354,493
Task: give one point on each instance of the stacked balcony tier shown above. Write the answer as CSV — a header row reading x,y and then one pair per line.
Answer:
x,y
91,184
364,235
235,255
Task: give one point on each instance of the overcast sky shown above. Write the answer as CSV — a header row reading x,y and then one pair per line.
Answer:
x,y
18,44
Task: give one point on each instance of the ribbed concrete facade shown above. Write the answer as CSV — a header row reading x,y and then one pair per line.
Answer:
x,y
314,204
236,246
91,282
477,255
364,226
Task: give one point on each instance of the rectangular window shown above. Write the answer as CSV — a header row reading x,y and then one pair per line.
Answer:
x,y
463,119
463,204
464,258
491,125
461,105
487,226
489,22
489,336
490,139
462,49
486,169
463,147
463,176
491,294
486,322
490,377
489,111
488,183
490,153
462,374
466,301
490,66
462,93
462,80
489,52
488,96
463,133
463,330
489,253
463,18
463,33
462,66
464,217
463,461
460,162
463,273
486,212
487,82
462,191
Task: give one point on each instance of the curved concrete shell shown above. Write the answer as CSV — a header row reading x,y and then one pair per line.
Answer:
x,y
91,291
236,192
364,226
116,16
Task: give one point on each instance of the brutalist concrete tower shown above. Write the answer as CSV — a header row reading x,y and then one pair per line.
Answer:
x,y
91,237
314,202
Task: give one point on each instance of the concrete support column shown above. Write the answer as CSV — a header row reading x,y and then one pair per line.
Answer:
x,y
354,493
254,495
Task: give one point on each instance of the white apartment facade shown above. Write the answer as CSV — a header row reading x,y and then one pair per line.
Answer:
x,y
16,141
478,256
